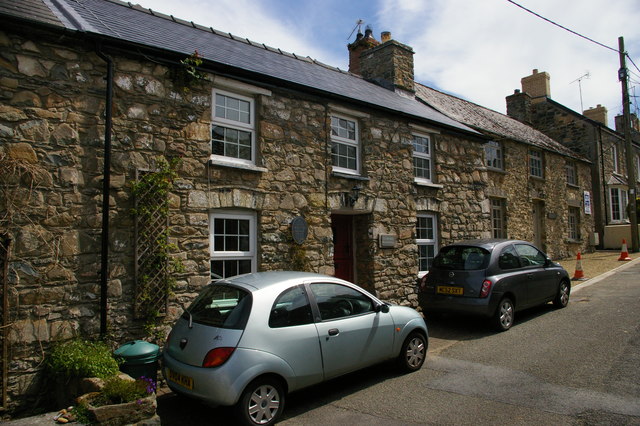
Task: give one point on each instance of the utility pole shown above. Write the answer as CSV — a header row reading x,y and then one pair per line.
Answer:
x,y
623,76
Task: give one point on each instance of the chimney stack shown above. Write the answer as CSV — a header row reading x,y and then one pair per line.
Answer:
x,y
362,43
537,85
598,114
389,64
635,123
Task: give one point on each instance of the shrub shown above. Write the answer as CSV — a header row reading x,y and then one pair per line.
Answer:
x,y
117,391
82,358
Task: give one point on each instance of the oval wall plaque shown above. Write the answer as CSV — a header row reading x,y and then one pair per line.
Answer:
x,y
299,229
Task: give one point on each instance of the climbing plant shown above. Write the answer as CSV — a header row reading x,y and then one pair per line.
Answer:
x,y
155,268
187,73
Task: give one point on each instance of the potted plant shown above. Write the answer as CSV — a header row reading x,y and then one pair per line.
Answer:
x,y
121,401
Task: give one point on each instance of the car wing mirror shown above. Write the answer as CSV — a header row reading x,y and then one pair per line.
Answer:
x,y
384,308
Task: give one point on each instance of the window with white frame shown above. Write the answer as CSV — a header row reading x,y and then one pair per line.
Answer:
x,y
572,176
232,239
614,158
345,145
422,164
493,155
618,200
427,240
573,223
233,129
498,222
535,164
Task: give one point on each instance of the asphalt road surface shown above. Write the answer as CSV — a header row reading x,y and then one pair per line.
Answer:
x,y
574,366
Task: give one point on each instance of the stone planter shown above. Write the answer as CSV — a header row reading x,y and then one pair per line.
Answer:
x,y
119,414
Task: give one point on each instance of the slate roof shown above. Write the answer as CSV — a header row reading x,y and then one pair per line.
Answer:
x,y
489,121
134,24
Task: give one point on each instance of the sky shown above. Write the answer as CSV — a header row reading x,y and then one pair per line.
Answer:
x,y
477,50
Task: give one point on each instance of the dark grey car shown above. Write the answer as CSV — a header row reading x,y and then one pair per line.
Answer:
x,y
492,278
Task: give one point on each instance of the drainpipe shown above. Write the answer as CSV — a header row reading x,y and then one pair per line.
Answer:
x,y
106,183
5,241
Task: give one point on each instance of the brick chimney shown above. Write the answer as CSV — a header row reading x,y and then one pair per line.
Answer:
x,y
598,114
635,123
537,85
389,64
363,42
519,106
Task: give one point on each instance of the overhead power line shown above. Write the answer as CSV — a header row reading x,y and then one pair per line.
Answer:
x,y
573,32
564,28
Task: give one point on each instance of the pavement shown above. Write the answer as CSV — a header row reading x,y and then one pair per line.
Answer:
x,y
595,267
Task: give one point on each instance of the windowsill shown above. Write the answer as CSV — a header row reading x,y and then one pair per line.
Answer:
x,y
428,184
538,178
215,161
573,185
349,176
496,170
572,241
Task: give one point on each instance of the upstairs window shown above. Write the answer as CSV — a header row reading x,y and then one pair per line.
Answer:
x,y
493,155
233,130
572,176
422,164
535,164
345,145
614,158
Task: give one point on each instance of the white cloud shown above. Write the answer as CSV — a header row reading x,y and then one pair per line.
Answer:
x,y
475,49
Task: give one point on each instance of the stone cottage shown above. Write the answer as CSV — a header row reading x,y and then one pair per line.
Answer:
x,y
143,156
589,135
537,189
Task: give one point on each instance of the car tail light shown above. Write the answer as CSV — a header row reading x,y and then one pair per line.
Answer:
x,y
486,288
216,357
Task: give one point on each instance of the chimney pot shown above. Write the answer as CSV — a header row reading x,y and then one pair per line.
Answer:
x,y
385,36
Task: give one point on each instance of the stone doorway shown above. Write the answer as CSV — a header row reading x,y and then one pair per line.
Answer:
x,y
343,247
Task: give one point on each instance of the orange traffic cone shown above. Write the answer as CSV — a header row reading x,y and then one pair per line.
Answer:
x,y
624,254
579,274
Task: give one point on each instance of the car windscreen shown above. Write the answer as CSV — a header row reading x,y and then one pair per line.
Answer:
x,y
462,258
221,306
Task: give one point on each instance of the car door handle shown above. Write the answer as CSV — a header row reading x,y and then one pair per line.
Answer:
x,y
334,332
530,276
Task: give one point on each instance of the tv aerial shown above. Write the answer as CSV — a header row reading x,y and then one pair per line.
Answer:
x,y
579,80
359,24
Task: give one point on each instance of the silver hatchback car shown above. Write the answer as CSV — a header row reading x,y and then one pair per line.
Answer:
x,y
249,340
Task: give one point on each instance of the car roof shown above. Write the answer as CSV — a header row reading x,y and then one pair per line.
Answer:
x,y
487,243
260,280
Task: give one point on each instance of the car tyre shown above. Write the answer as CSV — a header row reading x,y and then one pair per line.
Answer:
x,y
562,297
413,352
261,402
505,314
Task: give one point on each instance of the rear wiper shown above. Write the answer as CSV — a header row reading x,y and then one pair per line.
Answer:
x,y
186,311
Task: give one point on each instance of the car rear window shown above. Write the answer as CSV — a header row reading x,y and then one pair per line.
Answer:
x,y
221,306
462,258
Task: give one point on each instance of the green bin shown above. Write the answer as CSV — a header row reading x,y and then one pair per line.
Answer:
x,y
140,358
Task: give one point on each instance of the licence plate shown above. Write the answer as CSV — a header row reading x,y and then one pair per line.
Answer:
x,y
182,380
445,289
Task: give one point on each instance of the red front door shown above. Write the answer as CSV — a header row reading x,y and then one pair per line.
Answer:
x,y
342,227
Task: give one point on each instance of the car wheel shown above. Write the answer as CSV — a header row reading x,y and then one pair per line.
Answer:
x,y
504,315
261,403
562,298
413,352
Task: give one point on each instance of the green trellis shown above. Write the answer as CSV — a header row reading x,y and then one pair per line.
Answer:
x,y
153,265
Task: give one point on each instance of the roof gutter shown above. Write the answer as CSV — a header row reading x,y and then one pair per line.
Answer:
x,y
106,183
